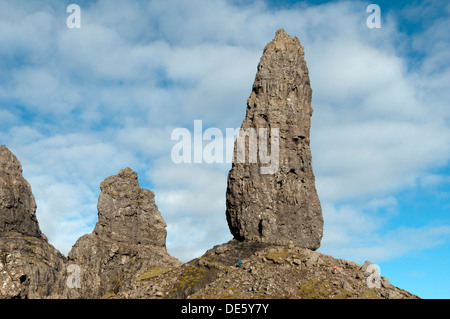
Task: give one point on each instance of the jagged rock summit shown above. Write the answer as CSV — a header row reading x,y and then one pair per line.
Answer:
x,y
128,239
29,266
17,204
127,213
281,206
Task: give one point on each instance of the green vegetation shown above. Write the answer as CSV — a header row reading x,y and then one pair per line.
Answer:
x,y
190,277
372,294
40,291
278,256
108,295
228,295
154,271
343,294
118,281
314,289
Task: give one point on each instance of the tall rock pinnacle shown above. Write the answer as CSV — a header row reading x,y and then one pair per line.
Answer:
x,y
279,205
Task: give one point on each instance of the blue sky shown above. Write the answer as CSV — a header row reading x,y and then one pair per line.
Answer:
x,y
78,105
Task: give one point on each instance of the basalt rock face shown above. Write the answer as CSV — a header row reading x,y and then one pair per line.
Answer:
x,y
127,213
29,266
17,204
277,204
128,239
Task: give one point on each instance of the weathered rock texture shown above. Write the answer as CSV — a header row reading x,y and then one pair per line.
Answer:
x,y
127,213
275,217
29,265
283,206
129,238
266,272
17,204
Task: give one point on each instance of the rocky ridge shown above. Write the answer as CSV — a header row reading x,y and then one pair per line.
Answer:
x,y
275,218
266,272
129,237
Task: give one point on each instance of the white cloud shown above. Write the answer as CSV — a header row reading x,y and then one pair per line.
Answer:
x,y
65,172
66,211
6,118
26,27
42,91
361,159
191,199
433,180
357,233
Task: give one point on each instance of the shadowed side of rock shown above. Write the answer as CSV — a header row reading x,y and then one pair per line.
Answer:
x,y
17,204
29,266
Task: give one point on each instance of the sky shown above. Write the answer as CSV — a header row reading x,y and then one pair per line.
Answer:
x,y
79,104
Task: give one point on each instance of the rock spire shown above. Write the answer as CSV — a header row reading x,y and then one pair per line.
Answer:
x,y
128,239
281,205
128,213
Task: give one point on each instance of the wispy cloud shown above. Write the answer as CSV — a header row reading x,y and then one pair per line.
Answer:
x,y
363,232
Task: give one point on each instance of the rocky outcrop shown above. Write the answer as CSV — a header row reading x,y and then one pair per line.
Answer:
x,y
273,211
127,213
128,239
29,266
279,203
17,204
267,272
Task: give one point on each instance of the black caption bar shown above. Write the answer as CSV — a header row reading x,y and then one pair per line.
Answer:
x,y
208,308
